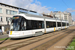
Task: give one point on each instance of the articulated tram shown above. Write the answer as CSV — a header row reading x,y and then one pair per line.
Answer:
x,y
25,25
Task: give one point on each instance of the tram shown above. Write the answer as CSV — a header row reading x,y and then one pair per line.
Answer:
x,y
26,25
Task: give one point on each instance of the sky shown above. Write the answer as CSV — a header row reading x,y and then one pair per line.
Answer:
x,y
44,5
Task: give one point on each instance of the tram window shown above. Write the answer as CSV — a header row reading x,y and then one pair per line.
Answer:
x,y
54,24
47,24
63,24
50,24
59,24
23,24
0,27
42,24
28,25
67,24
32,24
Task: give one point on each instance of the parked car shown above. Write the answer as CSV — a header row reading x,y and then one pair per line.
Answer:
x,y
1,33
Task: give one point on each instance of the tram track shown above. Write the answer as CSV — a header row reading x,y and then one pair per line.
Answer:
x,y
51,42
24,43
13,40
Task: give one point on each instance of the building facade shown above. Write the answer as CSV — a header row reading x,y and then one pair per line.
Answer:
x,y
73,22
62,16
6,12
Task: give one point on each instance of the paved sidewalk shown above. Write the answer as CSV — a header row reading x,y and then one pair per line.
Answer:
x,y
4,36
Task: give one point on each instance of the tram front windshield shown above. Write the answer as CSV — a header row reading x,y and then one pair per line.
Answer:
x,y
17,24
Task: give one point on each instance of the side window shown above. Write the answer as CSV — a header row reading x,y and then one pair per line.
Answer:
x,y
7,11
0,18
0,27
59,24
37,24
32,24
47,24
67,24
50,24
0,10
42,24
63,24
29,24
23,24
54,24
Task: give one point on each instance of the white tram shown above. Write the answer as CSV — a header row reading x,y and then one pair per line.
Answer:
x,y
25,25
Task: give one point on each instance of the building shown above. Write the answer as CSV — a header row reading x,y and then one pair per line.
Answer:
x,y
62,16
6,12
68,17
73,22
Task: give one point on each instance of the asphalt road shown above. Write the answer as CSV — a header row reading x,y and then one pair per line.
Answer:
x,y
4,36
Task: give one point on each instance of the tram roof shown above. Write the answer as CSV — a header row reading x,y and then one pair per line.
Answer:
x,y
39,17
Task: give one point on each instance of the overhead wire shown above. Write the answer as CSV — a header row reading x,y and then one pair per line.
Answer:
x,y
65,3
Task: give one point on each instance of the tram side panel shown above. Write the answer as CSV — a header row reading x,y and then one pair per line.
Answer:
x,y
50,25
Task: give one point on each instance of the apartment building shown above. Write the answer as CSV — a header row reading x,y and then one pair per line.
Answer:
x,y
6,12
68,17
73,23
62,16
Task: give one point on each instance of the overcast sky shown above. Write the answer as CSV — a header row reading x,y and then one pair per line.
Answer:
x,y
44,5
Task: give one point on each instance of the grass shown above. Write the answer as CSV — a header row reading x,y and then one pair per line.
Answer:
x,y
72,45
4,39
